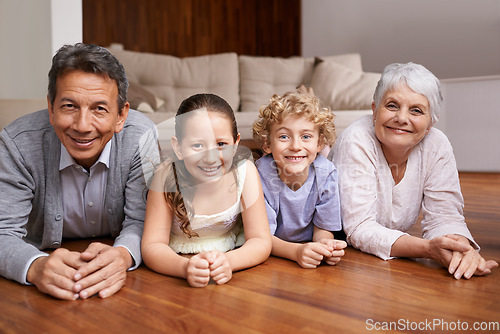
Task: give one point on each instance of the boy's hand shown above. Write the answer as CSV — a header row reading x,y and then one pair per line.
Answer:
x,y
338,250
310,255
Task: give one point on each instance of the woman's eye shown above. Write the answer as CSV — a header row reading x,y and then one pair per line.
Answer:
x,y
417,111
391,106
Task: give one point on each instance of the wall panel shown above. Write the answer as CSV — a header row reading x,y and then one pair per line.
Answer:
x,y
196,27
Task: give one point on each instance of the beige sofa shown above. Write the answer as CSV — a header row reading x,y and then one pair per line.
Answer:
x,y
158,84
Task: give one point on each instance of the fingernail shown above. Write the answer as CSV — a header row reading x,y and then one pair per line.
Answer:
x,y
78,287
76,296
84,294
78,276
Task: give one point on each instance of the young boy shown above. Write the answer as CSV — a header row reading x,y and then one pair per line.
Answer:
x,y
300,185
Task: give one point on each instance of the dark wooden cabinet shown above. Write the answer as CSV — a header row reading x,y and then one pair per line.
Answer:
x,y
196,27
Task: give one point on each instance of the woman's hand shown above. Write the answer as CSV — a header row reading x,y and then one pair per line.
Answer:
x,y
441,249
468,263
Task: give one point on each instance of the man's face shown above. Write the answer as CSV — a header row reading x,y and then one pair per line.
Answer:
x,y
85,114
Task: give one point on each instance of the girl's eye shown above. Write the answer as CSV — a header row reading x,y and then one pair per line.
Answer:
x,y
283,137
306,137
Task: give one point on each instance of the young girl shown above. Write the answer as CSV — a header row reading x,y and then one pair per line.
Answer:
x,y
300,186
202,202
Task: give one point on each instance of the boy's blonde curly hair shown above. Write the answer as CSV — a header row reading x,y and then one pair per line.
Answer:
x,y
297,104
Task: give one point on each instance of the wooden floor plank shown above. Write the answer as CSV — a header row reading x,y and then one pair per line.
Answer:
x,y
361,294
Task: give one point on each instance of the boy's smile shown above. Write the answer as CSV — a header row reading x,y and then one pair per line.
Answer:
x,y
294,144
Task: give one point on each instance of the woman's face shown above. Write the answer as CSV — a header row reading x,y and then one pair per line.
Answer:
x,y
401,119
207,147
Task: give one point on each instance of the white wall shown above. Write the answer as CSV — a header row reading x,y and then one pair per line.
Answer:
x,y
30,32
452,38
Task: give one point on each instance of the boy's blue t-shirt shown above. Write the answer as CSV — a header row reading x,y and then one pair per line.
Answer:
x,y
293,214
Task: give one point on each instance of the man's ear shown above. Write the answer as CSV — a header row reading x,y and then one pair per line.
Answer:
x,y
122,117
176,147
50,107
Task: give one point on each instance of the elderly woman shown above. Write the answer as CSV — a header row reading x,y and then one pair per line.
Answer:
x,y
394,165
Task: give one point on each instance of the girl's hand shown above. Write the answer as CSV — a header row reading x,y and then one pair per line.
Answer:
x,y
468,263
337,252
198,271
310,255
220,268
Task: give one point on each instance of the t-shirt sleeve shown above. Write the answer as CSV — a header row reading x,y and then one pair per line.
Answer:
x,y
327,210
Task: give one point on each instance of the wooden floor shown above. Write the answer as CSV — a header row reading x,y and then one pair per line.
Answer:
x,y
362,294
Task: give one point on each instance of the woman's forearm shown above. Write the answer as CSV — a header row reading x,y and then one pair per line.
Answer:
x,y
409,246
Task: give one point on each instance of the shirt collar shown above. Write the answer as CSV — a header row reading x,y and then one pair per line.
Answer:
x,y
67,160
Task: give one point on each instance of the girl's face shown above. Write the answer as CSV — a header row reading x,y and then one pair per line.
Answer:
x,y
207,147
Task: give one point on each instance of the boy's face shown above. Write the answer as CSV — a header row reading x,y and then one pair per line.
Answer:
x,y
294,144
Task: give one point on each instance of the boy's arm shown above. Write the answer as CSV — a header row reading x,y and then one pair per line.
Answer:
x,y
307,255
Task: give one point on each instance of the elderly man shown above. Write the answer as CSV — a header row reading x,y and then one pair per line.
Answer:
x,y
77,170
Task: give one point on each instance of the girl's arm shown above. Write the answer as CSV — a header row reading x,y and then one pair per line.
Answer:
x,y
156,252
257,246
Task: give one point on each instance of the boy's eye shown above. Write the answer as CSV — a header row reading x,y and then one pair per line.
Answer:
x,y
221,144
197,146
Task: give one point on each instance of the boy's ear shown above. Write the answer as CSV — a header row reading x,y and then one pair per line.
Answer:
x,y
266,148
177,147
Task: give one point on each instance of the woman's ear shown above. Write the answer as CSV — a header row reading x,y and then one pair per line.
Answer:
x,y
374,110
176,147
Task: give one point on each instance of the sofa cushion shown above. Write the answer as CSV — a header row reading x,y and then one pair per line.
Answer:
x,y
261,77
343,88
143,99
174,79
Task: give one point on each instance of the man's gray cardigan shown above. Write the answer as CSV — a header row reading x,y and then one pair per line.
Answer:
x,y
31,207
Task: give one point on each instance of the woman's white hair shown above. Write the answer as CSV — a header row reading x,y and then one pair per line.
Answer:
x,y
418,78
